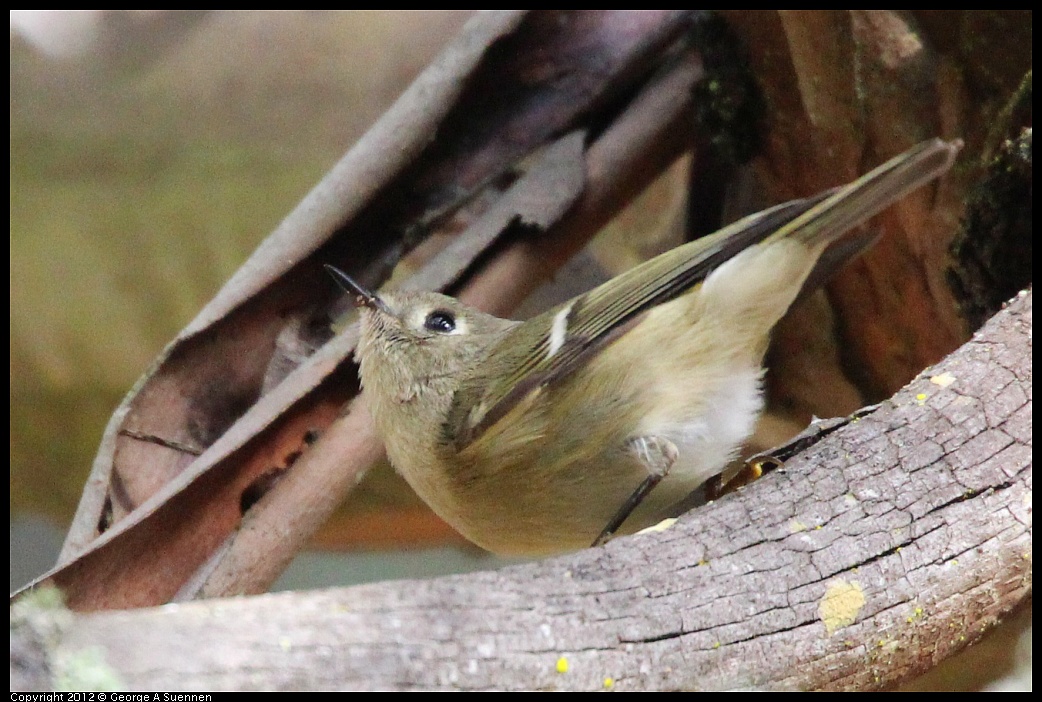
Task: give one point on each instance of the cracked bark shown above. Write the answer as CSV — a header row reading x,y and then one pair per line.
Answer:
x,y
874,553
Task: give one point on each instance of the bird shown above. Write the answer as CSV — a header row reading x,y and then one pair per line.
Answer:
x,y
602,414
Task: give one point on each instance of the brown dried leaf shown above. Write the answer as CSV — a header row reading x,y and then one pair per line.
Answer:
x,y
242,389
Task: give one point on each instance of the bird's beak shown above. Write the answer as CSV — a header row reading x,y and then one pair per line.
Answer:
x,y
362,295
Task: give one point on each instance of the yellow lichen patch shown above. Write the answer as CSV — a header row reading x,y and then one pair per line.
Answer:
x,y
944,379
562,665
841,604
661,526
609,683
796,526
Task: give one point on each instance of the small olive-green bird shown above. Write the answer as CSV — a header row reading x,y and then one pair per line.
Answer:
x,y
603,413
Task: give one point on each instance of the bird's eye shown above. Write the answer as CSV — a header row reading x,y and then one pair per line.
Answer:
x,y
440,321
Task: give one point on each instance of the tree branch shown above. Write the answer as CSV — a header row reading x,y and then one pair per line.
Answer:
x,y
893,542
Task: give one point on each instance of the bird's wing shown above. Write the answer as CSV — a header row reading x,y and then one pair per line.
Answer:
x,y
556,343
549,347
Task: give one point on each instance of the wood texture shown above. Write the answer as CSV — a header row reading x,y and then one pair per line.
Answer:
x,y
893,542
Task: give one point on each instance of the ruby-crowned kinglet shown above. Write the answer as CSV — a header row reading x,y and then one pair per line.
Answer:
x,y
604,412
